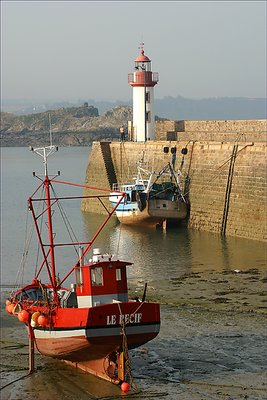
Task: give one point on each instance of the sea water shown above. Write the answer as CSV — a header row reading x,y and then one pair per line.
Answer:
x,y
155,253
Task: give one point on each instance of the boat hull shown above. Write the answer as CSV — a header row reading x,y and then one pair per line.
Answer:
x,y
129,213
98,346
167,209
155,212
101,333
137,217
65,344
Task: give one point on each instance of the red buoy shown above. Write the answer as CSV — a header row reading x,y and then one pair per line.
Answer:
x,y
8,302
125,387
42,320
23,316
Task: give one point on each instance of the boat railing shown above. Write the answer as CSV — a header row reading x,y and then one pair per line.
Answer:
x,y
122,187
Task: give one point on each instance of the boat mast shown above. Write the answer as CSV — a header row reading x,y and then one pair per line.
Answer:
x,y
45,152
50,230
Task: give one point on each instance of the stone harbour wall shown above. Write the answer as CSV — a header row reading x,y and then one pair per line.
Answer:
x,y
228,189
96,176
229,130
225,181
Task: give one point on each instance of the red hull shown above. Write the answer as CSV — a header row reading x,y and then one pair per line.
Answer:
x,y
79,349
69,340
95,348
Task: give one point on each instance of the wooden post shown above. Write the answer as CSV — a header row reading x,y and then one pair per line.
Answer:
x,y
31,349
121,366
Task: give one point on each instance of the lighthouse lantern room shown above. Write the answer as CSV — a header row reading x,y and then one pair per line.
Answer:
x,y
143,81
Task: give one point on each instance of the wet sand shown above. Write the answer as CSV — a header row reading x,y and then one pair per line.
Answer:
x,y
232,290
212,345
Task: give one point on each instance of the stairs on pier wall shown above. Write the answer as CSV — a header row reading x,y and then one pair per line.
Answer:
x,y
106,153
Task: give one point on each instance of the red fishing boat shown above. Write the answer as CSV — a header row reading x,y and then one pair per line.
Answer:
x,y
90,323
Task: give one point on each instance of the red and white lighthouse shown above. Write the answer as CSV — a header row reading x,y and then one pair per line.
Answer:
x,y
143,81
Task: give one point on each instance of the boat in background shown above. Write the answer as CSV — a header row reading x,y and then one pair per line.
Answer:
x,y
152,199
90,323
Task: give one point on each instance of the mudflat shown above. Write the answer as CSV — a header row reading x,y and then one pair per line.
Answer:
x,y
212,345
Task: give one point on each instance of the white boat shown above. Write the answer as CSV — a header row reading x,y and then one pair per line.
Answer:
x,y
151,199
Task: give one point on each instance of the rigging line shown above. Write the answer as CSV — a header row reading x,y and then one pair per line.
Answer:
x,y
235,142
228,190
121,161
28,239
119,237
66,221
20,272
125,349
16,380
219,168
41,227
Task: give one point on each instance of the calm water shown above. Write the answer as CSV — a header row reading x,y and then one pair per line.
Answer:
x,y
155,254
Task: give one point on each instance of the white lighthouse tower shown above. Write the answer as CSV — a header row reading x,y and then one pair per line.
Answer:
x,y
143,81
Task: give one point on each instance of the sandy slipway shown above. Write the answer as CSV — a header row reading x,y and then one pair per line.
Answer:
x,y
212,345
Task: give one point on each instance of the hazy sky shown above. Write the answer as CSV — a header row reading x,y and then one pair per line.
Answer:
x,y
66,50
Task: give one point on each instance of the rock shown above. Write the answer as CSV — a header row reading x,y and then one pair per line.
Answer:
x,y
69,126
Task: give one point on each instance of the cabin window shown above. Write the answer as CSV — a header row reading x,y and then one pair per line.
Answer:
x,y
79,276
118,274
32,294
97,276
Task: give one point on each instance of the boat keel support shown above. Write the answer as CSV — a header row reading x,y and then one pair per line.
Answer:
x,y
31,349
121,366
104,368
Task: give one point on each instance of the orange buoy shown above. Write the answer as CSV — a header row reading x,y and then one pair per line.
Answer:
x,y
34,319
23,316
42,320
35,316
10,308
125,387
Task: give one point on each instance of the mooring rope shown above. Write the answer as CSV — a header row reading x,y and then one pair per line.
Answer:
x,y
125,346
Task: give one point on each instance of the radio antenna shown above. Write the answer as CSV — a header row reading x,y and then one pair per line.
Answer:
x,y
50,129
45,151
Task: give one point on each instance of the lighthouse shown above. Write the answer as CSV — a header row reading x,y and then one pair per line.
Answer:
x,y
143,81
